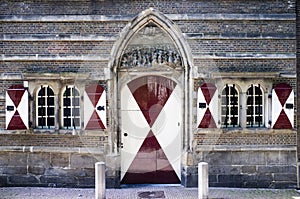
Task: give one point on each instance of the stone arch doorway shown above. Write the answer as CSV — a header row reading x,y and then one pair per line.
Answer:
x,y
151,65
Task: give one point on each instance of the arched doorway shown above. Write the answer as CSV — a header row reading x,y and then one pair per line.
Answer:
x,y
152,87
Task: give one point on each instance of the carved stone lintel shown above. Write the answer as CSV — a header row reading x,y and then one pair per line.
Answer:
x,y
148,57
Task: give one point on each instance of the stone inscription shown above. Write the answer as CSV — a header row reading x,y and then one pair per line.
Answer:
x,y
148,57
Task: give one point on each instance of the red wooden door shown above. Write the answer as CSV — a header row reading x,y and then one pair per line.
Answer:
x,y
151,131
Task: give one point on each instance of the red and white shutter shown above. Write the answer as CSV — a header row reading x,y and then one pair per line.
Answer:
x,y
94,107
282,106
16,112
207,106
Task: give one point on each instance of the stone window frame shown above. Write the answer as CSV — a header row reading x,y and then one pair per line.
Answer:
x,y
73,108
228,106
47,107
254,105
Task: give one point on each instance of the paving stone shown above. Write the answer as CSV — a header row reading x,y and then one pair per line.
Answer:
x,y
139,192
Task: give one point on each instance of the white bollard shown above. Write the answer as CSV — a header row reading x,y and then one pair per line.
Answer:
x,y
100,180
202,180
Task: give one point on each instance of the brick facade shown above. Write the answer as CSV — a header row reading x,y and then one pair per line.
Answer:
x,y
298,76
79,43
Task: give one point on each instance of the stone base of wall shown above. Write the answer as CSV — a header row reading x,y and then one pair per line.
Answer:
x,y
53,167
246,167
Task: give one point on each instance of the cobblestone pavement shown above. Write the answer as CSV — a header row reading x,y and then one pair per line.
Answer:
x,y
161,192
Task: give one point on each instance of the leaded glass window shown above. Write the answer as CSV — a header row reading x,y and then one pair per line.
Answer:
x,y
45,108
71,108
230,106
254,106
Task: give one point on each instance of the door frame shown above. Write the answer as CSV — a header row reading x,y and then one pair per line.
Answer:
x,y
114,75
131,77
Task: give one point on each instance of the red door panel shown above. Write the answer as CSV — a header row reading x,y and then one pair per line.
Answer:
x,y
148,98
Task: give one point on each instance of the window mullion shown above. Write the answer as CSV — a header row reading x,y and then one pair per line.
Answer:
x,y
259,106
227,105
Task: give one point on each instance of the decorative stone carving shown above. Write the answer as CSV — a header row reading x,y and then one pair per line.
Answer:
x,y
151,56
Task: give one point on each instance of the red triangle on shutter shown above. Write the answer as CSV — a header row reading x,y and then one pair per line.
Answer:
x,y
282,121
94,92
15,93
16,122
207,120
156,167
283,92
95,122
208,90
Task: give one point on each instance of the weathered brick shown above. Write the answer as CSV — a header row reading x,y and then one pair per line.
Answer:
x,y
248,169
60,159
23,180
36,170
18,159
39,159
3,180
13,170
58,181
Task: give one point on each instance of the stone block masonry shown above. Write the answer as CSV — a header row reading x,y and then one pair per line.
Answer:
x,y
50,160
48,166
265,160
247,167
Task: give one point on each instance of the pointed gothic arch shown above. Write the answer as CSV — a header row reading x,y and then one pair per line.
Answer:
x,y
152,17
140,21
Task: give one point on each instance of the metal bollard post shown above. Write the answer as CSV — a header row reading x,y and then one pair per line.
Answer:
x,y
100,180
202,180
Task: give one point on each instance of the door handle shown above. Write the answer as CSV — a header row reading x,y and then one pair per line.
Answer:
x,y
125,134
